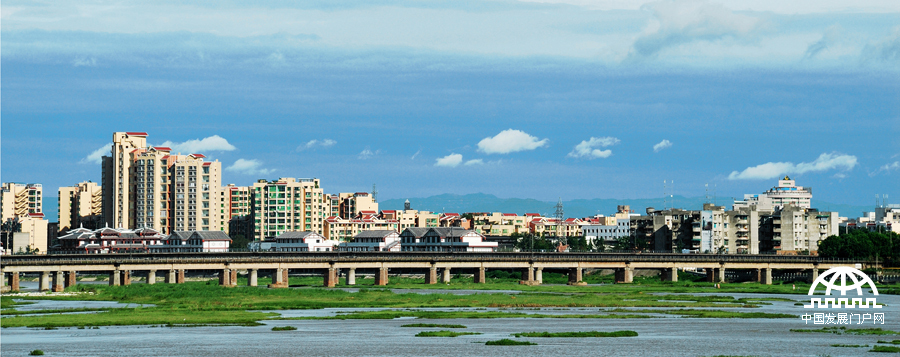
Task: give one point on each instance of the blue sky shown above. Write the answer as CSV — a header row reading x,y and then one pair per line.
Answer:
x,y
530,99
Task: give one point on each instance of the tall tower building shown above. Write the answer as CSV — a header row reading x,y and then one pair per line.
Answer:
x,y
24,202
287,204
116,173
80,206
152,188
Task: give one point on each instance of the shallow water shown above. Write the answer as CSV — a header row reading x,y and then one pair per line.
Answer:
x,y
665,336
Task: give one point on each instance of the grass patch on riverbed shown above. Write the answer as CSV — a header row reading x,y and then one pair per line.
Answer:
x,y
848,331
445,333
578,334
284,328
204,302
708,314
434,326
508,342
842,345
395,314
140,316
894,342
890,349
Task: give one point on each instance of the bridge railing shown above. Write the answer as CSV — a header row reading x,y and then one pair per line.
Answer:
x,y
300,257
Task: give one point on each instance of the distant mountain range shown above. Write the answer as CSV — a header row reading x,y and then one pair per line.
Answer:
x,y
480,202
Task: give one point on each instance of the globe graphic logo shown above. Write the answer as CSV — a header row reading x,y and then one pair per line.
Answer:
x,y
838,279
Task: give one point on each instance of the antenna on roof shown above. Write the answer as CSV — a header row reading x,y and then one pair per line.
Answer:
x,y
374,193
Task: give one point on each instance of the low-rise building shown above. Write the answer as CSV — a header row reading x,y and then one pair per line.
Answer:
x,y
499,224
344,229
447,240
306,241
110,240
373,241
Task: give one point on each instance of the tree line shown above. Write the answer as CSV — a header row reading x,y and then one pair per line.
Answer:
x,y
863,244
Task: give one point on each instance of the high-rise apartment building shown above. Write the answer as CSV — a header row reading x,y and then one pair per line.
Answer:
x,y
352,204
19,199
24,202
148,187
116,178
238,214
288,204
80,206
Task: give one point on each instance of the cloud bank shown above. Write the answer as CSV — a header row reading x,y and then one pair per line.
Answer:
x,y
771,170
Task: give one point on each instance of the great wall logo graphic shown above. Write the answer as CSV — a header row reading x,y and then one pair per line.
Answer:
x,y
843,275
838,279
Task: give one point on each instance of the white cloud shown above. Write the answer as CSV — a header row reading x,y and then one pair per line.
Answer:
x,y
771,170
887,168
85,62
510,140
685,21
416,154
96,156
474,162
885,50
590,148
452,160
198,146
312,144
665,144
249,167
367,154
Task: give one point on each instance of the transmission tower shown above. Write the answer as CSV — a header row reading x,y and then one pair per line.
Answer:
x,y
374,193
560,215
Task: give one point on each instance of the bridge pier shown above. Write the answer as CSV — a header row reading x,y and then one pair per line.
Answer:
x,y
115,278
539,275
625,275
14,281
171,277
59,282
227,277
351,276
431,275
126,277
71,278
331,277
179,277
479,275
44,281
715,275
765,276
813,275
279,279
670,274
575,275
381,276
252,277
151,277
445,275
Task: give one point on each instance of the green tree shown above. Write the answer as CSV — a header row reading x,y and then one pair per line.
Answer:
x,y
238,241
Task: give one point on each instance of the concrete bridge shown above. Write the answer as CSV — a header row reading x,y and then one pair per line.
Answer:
x,y
59,271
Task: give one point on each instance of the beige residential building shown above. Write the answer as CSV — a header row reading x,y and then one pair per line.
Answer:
x,y
795,229
148,187
353,204
24,202
116,182
288,204
344,229
19,199
500,224
543,226
80,206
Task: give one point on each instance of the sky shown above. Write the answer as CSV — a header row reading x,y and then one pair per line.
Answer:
x,y
521,99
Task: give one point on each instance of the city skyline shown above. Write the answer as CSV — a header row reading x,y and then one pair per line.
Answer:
x,y
571,100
